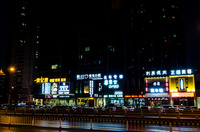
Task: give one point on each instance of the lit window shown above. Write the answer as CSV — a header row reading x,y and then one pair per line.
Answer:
x,y
173,6
54,66
173,17
23,14
81,56
23,24
23,8
87,49
174,35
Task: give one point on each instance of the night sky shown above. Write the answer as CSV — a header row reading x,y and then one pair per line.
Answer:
x,y
4,19
192,24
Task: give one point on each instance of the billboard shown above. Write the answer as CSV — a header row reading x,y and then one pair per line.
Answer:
x,y
54,88
46,88
64,88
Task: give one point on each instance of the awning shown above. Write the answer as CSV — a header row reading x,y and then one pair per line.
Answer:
x,y
156,95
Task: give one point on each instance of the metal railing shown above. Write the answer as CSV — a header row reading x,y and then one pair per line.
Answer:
x,y
124,124
108,112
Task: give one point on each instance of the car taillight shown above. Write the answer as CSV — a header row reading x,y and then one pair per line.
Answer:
x,y
66,109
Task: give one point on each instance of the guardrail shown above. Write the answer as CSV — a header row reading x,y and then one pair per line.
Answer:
x,y
92,123
107,112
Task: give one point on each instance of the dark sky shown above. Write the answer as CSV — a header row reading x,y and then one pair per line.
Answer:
x,y
4,11
192,25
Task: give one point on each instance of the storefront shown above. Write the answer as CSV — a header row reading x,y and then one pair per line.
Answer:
x,y
90,89
183,99
54,91
182,88
156,88
137,101
156,99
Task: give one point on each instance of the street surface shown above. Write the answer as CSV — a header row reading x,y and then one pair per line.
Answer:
x,y
152,128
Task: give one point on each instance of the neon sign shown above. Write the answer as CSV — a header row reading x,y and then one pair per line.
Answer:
x,y
156,73
183,94
112,81
181,72
46,79
63,88
89,76
46,88
182,84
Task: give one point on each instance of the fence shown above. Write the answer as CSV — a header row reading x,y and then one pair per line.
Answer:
x,y
122,124
88,112
94,123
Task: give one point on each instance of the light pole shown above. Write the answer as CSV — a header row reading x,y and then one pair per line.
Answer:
x,y
11,86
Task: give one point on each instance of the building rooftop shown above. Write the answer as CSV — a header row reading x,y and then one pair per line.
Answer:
x,y
2,73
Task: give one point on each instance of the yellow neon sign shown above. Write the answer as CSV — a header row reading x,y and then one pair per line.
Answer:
x,y
175,85
46,79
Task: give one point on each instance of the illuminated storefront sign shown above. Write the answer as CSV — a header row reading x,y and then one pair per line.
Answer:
x,y
156,73
91,87
112,81
185,94
134,96
54,88
153,95
182,83
64,88
116,94
156,85
181,72
89,76
46,79
46,88
171,72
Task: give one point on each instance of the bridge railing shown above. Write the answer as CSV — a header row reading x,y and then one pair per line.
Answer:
x,y
107,112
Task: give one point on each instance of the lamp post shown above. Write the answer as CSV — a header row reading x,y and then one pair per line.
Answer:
x,y
11,86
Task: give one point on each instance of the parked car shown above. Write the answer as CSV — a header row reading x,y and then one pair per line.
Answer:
x,y
130,108
187,108
60,107
146,107
164,107
193,108
111,106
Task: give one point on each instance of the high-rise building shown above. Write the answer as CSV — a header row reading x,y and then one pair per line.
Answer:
x,y
155,38
3,90
101,54
23,41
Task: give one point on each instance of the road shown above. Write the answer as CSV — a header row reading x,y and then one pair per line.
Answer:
x,y
152,128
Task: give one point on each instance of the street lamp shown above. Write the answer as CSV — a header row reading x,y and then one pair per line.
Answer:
x,y
11,87
12,69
